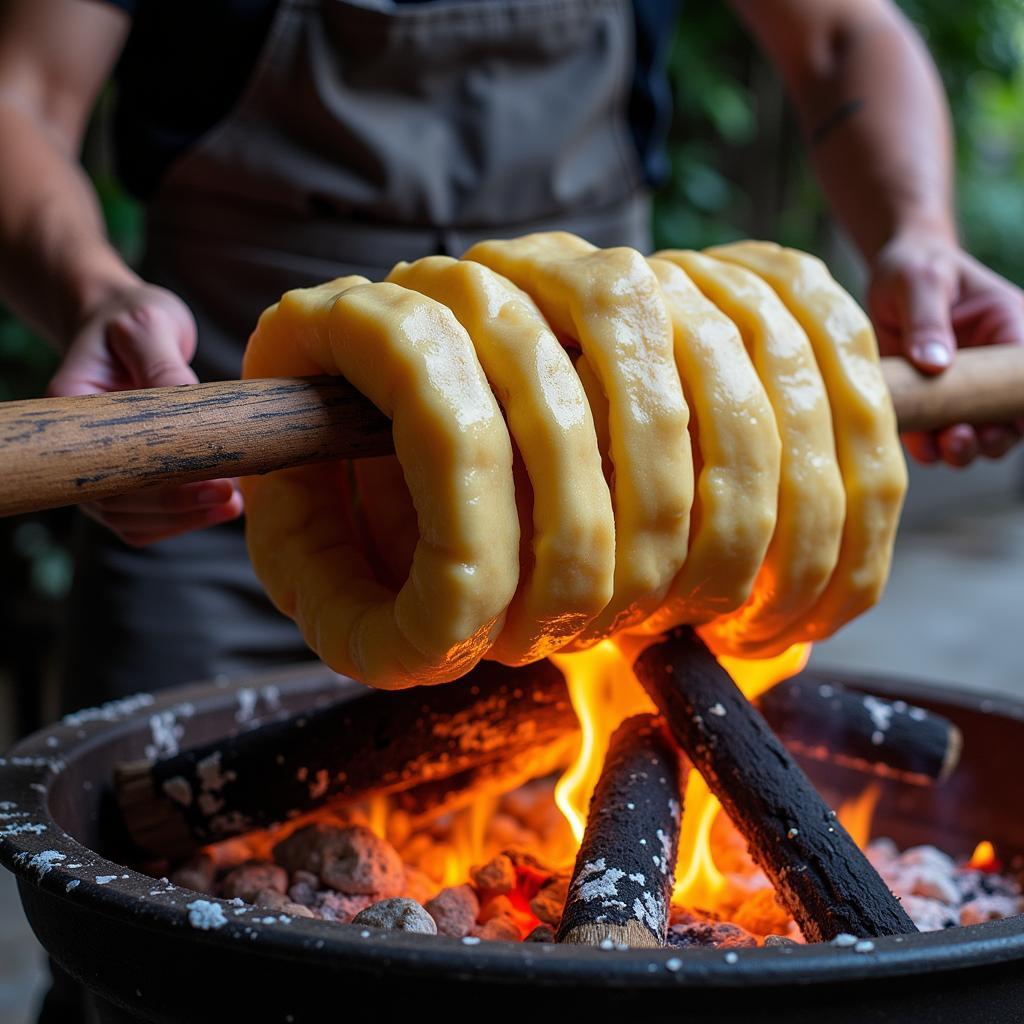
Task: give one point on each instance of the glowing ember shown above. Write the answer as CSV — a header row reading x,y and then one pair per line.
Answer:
x,y
499,868
984,857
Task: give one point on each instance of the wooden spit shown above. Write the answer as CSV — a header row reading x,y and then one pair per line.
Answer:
x,y
63,451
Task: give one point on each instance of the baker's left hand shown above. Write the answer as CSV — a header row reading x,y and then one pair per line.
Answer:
x,y
927,297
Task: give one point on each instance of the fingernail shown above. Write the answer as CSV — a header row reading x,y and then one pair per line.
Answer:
x,y
211,495
933,353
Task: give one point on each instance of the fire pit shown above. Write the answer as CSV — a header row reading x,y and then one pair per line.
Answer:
x,y
147,955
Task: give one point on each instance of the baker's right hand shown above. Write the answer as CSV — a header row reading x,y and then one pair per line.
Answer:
x,y
143,337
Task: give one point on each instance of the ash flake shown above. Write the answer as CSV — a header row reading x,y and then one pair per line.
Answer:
x,y
73,884
673,964
112,711
718,710
844,939
864,946
205,915
105,879
247,700
731,957
22,829
43,862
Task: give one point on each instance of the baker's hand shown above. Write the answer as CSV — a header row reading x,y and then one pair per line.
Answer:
x,y
927,297
143,337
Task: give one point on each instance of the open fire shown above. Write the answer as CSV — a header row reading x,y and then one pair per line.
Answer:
x,y
499,867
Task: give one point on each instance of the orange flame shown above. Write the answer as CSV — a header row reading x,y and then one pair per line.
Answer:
x,y
604,691
857,814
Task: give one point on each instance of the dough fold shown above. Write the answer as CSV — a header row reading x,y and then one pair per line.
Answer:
x,y
608,304
410,356
867,444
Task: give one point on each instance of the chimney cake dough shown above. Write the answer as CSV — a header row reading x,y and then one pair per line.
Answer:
x,y
587,442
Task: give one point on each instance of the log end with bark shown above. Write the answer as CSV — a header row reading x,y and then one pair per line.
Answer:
x,y
622,882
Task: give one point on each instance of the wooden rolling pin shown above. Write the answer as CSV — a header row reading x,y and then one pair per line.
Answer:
x,y
62,451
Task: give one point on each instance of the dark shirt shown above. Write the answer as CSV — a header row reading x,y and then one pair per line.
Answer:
x,y
187,62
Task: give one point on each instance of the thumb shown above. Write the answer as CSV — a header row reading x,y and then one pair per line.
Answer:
x,y
153,345
926,328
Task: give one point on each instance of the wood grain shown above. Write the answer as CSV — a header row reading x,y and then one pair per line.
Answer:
x,y
63,451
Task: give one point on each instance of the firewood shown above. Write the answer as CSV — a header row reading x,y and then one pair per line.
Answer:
x,y
622,883
824,720
819,874
377,743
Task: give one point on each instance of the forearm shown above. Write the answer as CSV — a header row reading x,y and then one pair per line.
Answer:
x,y
878,128
56,262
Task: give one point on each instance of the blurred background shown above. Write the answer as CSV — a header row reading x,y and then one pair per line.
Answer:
x,y
953,610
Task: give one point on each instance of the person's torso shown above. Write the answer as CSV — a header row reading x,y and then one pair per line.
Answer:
x,y
187,64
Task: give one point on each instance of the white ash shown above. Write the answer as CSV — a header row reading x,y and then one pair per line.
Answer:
x,y
166,730
22,829
41,863
212,779
938,893
881,713
247,701
205,915
112,711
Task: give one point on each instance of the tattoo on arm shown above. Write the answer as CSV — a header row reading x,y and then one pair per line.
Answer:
x,y
833,120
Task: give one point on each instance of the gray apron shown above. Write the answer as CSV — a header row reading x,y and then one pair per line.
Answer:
x,y
368,133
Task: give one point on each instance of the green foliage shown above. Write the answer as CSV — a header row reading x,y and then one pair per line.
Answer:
x,y
727,135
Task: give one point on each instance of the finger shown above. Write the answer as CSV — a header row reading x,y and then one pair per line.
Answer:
x,y
958,445
922,447
140,530
88,369
153,346
176,498
928,338
996,439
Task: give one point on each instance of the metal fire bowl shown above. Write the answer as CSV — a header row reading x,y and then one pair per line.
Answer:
x,y
128,937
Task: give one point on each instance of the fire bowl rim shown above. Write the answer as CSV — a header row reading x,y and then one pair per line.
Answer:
x,y
28,830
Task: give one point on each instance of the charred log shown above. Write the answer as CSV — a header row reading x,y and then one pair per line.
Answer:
x,y
819,874
378,743
825,721
622,883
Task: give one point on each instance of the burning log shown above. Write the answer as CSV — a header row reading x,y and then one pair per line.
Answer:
x,y
377,743
622,882
826,721
819,874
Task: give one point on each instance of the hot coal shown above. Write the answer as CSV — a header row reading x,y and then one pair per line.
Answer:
x,y
513,895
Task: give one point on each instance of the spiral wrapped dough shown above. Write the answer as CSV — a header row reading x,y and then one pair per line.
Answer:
x,y
586,441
